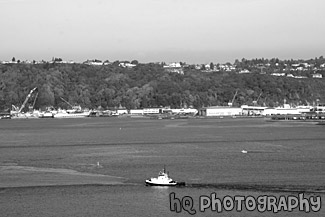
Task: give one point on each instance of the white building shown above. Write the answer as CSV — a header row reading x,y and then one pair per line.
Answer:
x,y
253,110
184,111
317,75
152,110
173,65
136,112
278,74
281,111
320,108
220,111
300,76
127,65
120,112
304,109
93,62
244,71
286,109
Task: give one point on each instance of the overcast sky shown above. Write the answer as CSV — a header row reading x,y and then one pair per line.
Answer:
x,y
192,31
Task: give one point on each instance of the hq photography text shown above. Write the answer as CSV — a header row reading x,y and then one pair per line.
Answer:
x,y
262,203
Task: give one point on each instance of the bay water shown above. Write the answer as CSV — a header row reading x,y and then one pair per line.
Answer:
x,y
97,166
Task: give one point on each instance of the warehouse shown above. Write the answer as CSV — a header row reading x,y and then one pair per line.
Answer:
x,y
220,111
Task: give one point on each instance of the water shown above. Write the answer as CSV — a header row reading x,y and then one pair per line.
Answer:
x,y
97,166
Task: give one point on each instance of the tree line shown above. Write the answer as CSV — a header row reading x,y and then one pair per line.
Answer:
x,y
147,85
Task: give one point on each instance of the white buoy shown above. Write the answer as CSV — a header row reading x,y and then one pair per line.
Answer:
x,y
98,163
244,151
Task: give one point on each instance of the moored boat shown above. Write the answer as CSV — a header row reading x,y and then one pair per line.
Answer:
x,y
71,114
46,114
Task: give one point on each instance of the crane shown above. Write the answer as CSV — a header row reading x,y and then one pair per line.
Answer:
x,y
32,106
73,108
255,101
14,108
66,102
27,98
233,99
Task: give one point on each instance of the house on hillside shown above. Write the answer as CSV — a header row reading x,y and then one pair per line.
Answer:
x,y
300,76
93,62
174,67
244,71
278,74
127,65
317,75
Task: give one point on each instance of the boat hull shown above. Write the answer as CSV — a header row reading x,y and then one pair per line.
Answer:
x,y
160,184
46,115
72,115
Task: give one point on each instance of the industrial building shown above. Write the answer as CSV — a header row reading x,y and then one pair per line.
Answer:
x,y
220,111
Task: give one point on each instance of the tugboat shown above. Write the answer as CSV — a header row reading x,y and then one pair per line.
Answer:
x,y
162,180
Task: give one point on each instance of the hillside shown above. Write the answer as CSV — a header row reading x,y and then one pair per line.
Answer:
x,y
148,85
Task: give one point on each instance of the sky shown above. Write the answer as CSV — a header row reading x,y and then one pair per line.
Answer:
x,y
192,31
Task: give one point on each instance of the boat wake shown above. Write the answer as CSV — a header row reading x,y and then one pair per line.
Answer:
x,y
24,176
263,188
228,187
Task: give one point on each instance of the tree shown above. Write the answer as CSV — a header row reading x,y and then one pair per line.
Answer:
x,y
135,62
13,59
211,66
56,59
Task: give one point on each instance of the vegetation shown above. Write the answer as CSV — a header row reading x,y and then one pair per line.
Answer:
x,y
150,85
295,67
